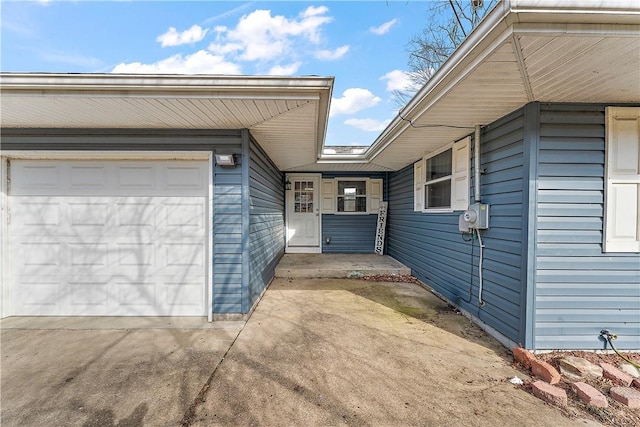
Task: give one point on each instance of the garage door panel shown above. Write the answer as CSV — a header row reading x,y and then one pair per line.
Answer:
x,y
37,256
36,215
88,294
136,295
86,176
108,238
186,178
182,293
89,214
135,254
37,295
135,215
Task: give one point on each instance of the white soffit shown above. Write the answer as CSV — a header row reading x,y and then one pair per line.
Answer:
x,y
279,111
513,65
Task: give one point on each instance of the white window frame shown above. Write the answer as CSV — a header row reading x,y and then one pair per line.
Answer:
x,y
374,195
459,175
366,195
621,226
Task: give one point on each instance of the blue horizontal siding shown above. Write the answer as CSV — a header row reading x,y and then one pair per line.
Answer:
x,y
431,245
266,221
580,289
227,236
350,233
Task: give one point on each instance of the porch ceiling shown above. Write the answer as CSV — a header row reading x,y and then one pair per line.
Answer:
x,y
282,113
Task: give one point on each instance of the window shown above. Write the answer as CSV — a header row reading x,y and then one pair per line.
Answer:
x,y
437,189
441,180
352,196
622,193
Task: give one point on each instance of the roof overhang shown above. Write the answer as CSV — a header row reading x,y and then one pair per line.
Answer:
x,y
287,115
523,51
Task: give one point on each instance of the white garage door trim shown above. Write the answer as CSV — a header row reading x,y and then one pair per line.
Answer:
x,y
6,309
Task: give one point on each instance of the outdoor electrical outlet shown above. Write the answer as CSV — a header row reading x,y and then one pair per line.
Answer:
x,y
328,240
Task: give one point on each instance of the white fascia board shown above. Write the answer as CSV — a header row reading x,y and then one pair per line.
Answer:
x,y
575,7
504,20
161,83
493,24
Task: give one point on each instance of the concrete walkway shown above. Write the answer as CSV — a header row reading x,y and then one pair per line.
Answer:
x,y
338,265
330,352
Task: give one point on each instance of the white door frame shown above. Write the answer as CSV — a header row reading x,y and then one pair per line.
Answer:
x,y
288,195
8,155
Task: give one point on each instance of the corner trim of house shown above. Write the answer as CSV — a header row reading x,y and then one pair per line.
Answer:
x,y
530,223
246,226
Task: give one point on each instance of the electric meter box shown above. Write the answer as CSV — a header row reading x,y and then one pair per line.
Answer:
x,y
481,211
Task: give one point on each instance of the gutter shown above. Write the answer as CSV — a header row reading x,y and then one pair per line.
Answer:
x,y
507,17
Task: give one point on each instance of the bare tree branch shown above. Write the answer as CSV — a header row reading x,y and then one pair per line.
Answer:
x,y
449,23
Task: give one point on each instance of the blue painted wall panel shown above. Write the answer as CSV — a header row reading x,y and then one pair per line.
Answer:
x,y
266,221
580,290
227,238
432,247
350,233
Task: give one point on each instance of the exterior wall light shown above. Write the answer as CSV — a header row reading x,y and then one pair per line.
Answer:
x,y
287,184
226,160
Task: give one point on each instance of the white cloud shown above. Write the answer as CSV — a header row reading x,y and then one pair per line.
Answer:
x,y
368,125
331,55
200,62
284,70
261,36
352,101
397,80
173,38
384,28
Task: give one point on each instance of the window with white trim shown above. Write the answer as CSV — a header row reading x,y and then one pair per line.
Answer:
x,y
351,195
622,191
441,179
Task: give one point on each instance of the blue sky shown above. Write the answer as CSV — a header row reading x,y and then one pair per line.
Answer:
x,y
360,43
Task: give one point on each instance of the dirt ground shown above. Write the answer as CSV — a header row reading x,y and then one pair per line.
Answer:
x,y
358,353
616,415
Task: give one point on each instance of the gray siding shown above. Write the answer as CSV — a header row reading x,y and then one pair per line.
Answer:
x,y
579,289
432,247
227,191
266,221
350,233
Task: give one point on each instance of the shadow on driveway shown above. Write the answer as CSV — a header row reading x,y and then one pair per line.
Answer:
x,y
106,372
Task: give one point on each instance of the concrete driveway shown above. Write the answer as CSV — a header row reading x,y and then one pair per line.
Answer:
x,y
326,352
106,371
316,352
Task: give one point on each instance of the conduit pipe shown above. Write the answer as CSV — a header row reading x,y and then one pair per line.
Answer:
x,y
476,197
476,164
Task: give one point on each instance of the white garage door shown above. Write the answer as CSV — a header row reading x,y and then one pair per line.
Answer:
x,y
108,238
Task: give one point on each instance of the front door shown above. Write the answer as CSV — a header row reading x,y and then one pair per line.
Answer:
x,y
303,213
